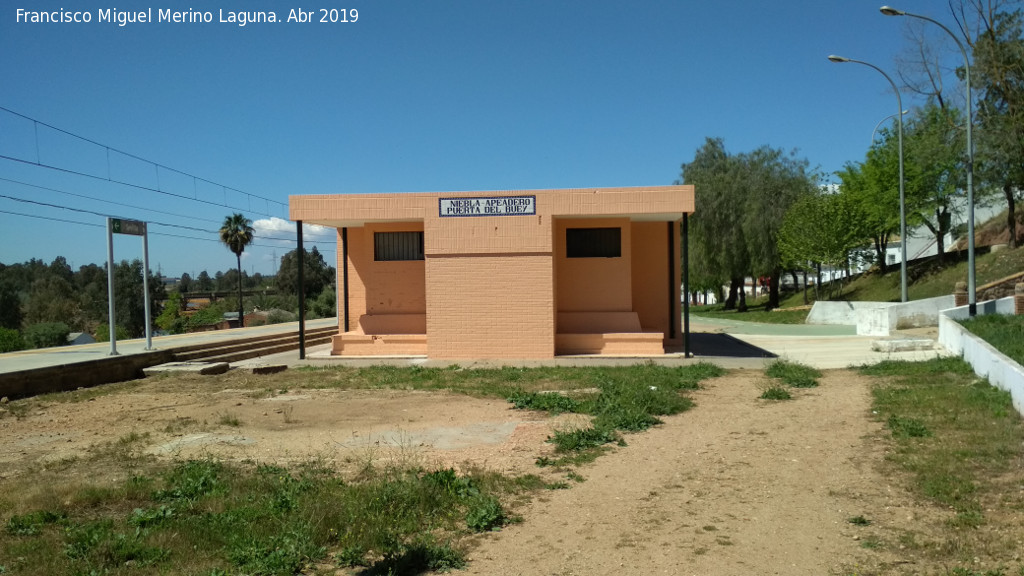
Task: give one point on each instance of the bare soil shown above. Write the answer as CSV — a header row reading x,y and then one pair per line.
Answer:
x,y
737,485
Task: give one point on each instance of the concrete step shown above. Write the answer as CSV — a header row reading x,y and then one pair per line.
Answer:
x,y
902,344
251,347
239,355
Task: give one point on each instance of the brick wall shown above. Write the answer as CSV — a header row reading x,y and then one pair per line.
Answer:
x,y
490,306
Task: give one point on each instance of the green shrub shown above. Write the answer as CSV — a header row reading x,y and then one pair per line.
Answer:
x,y
281,316
11,340
103,333
47,334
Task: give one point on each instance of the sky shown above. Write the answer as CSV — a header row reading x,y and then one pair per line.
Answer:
x,y
181,124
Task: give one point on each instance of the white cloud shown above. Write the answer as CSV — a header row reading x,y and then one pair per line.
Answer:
x,y
280,228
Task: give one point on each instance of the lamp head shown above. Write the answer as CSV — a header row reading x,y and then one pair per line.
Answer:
x,y
890,11
834,58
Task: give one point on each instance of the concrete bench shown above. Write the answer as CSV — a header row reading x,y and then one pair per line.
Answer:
x,y
384,335
393,324
608,333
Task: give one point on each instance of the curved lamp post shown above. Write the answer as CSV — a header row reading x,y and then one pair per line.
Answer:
x,y
877,126
903,209
972,299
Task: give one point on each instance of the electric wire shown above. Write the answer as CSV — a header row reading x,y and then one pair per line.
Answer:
x,y
94,225
38,162
181,226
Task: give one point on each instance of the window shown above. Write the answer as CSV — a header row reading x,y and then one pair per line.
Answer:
x,y
397,246
593,242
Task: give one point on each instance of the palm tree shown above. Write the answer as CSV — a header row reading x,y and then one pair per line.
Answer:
x,y
236,233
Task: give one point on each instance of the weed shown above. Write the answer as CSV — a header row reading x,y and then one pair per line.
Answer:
x,y
548,402
793,373
180,424
143,517
486,515
284,553
192,480
582,438
29,524
907,427
228,419
287,412
419,558
351,556
871,543
775,393
859,521
571,475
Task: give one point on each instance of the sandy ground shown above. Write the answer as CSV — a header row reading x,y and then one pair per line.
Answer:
x,y
736,485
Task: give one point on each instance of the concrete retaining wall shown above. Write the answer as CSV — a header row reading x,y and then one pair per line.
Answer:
x,y
1001,371
841,313
66,377
880,318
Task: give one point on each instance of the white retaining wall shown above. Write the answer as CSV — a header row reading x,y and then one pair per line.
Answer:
x,y
841,313
1001,371
880,318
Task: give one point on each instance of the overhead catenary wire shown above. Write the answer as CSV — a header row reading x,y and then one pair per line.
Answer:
x,y
95,225
180,226
109,178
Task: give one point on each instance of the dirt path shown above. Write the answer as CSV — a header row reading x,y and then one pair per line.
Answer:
x,y
735,486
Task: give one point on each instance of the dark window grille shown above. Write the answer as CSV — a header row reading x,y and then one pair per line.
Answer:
x,y
397,246
593,242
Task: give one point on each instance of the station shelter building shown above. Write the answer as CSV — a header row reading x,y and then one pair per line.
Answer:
x,y
506,275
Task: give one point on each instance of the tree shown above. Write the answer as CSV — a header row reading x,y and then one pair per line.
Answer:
x,y
316,273
10,307
236,233
935,169
203,282
128,297
819,228
185,283
718,250
774,180
998,75
871,189
740,203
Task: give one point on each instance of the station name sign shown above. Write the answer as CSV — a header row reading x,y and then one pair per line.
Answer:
x,y
490,206
133,227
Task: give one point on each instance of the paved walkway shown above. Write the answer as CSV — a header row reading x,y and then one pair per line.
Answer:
x,y
29,359
728,343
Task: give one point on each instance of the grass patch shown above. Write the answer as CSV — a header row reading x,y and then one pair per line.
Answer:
x,y
629,399
1004,332
793,373
210,517
959,440
775,393
756,312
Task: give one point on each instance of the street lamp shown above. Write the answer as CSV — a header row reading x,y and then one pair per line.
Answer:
x,y
972,300
877,126
903,209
